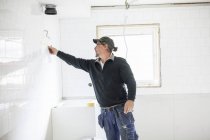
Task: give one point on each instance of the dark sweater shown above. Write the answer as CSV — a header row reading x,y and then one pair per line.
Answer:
x,y
109,82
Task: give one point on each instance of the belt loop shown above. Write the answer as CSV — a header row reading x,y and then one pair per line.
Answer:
x,y
115,109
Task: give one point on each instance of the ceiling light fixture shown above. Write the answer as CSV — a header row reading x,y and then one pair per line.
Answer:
x,y
50,9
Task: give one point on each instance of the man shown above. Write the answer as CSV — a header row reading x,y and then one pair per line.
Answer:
x,y
109,74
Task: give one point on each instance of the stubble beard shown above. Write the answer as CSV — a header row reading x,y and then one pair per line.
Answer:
x,y
97,55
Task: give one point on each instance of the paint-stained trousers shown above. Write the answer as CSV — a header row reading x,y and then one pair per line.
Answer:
x,y
117,124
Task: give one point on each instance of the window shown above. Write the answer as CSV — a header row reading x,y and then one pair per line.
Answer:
x,y
11,49
139,45
11,52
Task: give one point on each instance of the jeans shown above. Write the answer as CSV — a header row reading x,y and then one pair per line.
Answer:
x,y
117,124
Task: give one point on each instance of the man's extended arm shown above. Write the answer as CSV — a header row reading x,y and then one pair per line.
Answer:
x,y
71,60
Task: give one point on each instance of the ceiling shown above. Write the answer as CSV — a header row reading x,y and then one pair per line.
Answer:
x,y
118,2
67,8
81,8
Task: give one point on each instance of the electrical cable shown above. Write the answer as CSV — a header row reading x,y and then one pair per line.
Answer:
x,y
127,6
124,27
124,38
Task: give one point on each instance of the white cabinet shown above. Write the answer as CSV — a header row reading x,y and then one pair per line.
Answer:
x,y
73,122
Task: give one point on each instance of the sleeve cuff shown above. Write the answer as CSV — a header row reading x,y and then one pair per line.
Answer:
x,y
58,53
131,98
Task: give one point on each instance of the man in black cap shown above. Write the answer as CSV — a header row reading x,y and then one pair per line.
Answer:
x,y
109,74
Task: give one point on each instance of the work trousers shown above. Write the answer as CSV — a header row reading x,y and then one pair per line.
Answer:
x,y
117,124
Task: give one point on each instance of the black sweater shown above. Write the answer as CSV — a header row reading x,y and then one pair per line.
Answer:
x,y
109,82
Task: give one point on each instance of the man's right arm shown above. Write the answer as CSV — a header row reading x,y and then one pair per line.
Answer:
x,y
71,60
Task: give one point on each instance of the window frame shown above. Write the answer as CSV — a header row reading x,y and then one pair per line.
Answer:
x,y
130,29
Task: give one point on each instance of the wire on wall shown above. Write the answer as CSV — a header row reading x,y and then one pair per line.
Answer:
x,y
127,6
124,27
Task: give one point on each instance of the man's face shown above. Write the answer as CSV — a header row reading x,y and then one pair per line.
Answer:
x,y
99,49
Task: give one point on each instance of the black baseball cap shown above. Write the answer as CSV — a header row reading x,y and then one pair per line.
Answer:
x,y
106,40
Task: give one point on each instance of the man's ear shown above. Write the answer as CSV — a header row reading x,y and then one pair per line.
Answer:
x,y
106,46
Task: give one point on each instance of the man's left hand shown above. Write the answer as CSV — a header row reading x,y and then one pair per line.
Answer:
x,y
128,107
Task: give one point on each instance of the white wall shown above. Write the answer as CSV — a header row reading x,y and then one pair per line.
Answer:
x,y
25,111
178,110
173,117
